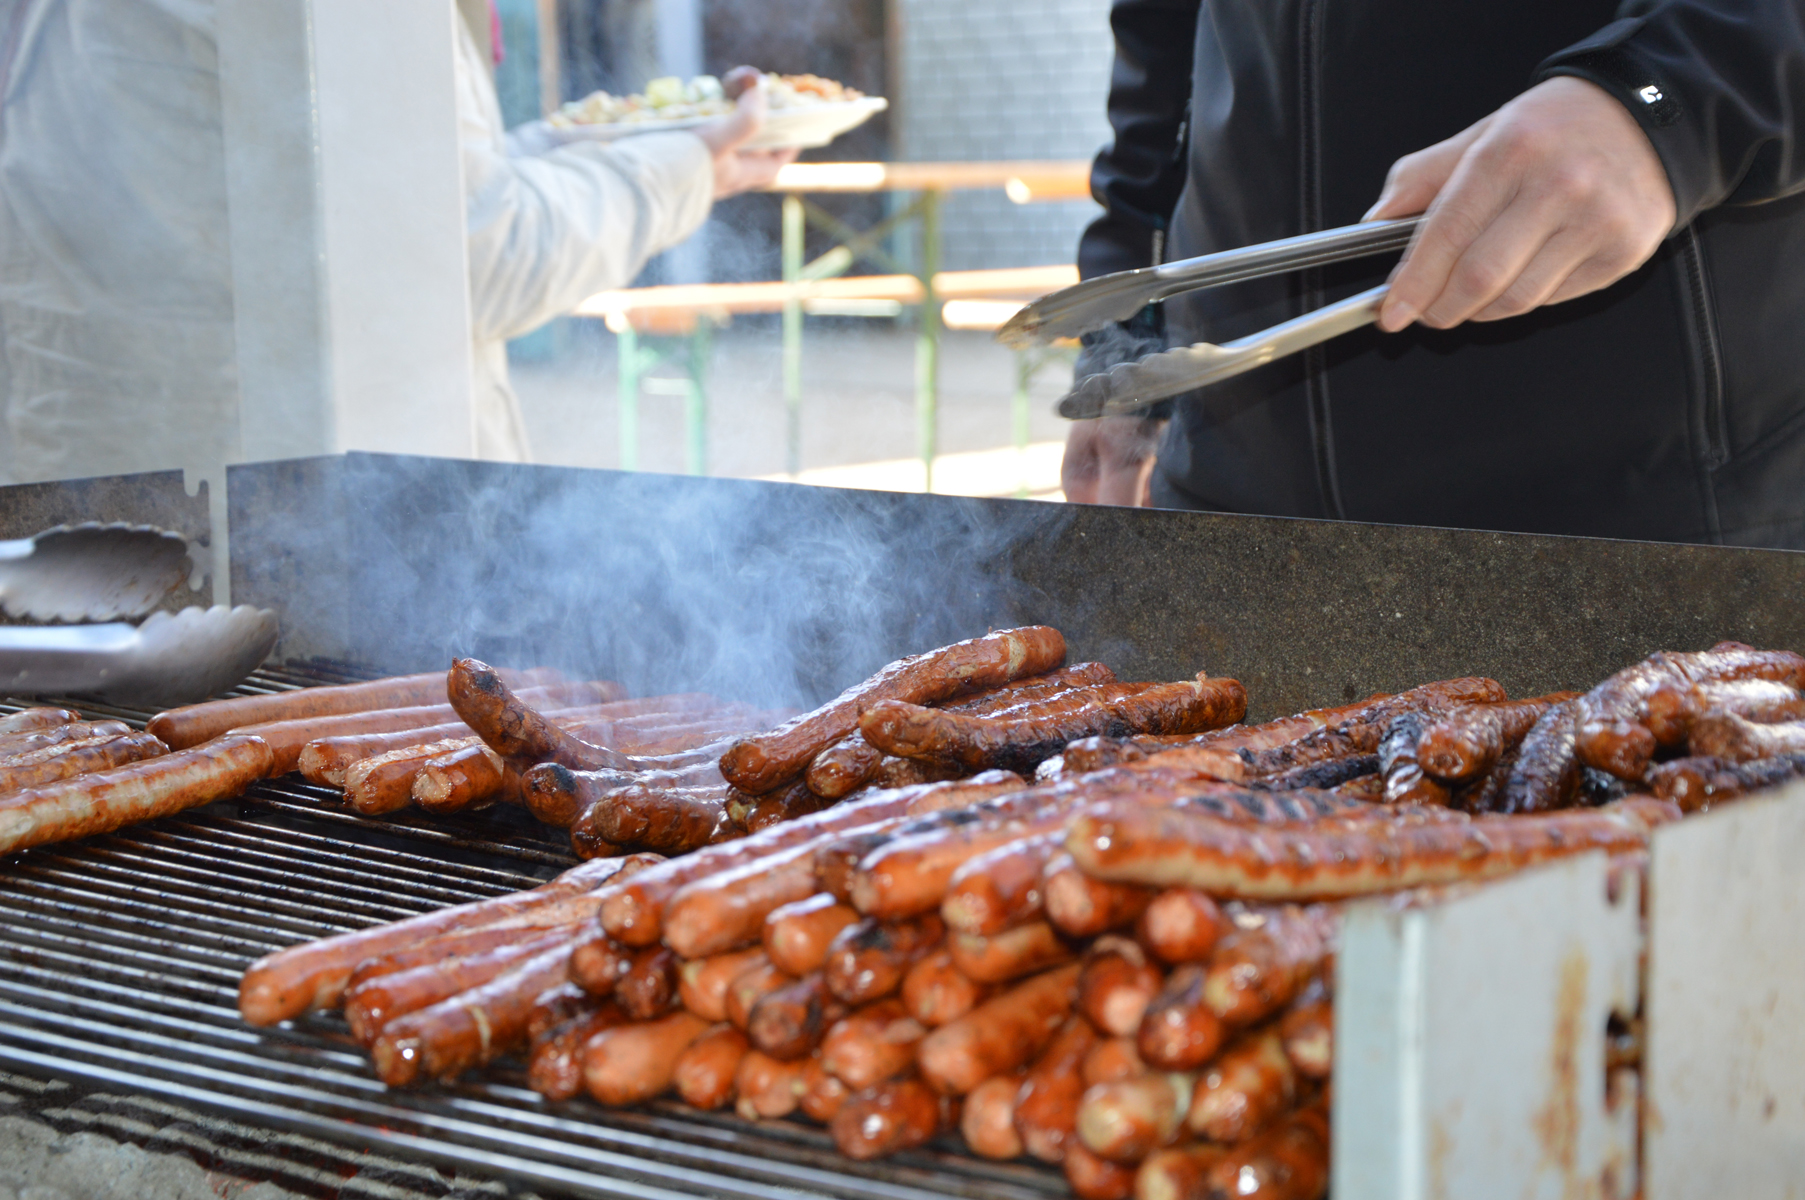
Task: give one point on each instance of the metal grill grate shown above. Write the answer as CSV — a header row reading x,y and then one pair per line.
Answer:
x,y
119,964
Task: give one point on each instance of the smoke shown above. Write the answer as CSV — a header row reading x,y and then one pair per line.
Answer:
x,y
769,593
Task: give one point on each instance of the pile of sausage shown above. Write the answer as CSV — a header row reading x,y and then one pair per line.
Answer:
x,y
996,702
394,742
63,777
1123,965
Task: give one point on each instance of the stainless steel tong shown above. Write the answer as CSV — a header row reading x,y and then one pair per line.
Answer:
x,y
1132,386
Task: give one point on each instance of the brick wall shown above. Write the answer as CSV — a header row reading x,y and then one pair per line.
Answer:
x,y
1001,79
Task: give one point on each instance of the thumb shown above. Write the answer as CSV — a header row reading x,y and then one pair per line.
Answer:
x,y
743,123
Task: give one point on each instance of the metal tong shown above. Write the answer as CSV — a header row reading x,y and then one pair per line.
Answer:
x,y
1132,386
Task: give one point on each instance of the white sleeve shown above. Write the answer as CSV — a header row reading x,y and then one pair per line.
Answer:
x,y
546,231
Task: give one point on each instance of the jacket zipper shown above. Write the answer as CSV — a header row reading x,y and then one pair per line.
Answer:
x,y
1704,325
1316,381
1713,432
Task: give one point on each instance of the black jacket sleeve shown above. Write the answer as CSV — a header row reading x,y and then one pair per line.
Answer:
x,y
1715,84
1138,177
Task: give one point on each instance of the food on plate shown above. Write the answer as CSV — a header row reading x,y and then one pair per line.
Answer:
x,y
669,98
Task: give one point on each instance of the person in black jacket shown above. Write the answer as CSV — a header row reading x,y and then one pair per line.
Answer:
x,y
1599,330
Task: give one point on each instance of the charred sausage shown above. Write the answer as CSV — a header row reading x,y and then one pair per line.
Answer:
x,y
763,762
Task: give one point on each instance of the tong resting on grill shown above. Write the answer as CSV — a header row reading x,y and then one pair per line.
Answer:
x,y
1129,387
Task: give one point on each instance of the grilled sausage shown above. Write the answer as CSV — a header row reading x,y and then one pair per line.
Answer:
x,y
728,909
1368,788
1695,784
463,778
1258,803
447,946
313,975
1250,1086
468,1029
1181,925
1178,1031
987,1122
705,1071
1290,1161
1399,765
634,914
844,767
1610,720
28,719
768,1087
852,762
1095,1178
1308,1032
910,874
935,992
372,1004
1271,955
628,1064
288,739
669,820
867,960
823,1095
981,788
1335,772
1010,954
325,760
702,983
385,784
873,1044
558,1006
749,987
1116,986
555,1065
26,742
1340,733
182,728
558,795
763,762
1177,1172
1465,743
892,1116
1726,736
1112,1060
597,961
1125,1122
1021,743
1337,859
1545,771
797,935
1671,710
998,1036
788,1023
893,772
1001,888
1046,1109
51,764
1080,907
784,804
649,985
106,800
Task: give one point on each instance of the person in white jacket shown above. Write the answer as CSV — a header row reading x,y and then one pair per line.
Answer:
x,y
551,223
117,345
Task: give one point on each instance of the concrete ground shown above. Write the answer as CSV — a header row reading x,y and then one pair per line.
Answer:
x,y
858,408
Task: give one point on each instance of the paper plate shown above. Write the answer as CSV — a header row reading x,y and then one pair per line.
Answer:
x,y
803,127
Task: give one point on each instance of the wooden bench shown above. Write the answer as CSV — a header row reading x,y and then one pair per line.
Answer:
x,y
961,299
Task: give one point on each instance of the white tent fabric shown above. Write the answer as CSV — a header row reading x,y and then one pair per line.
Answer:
x,y
116,324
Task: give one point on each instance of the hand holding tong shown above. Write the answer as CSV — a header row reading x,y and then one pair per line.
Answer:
x,y
1131,386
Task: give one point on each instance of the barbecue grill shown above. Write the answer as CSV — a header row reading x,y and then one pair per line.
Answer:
x,y
120,955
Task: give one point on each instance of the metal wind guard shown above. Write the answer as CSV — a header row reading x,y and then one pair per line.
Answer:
x,y
1725,1055
1470,1041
